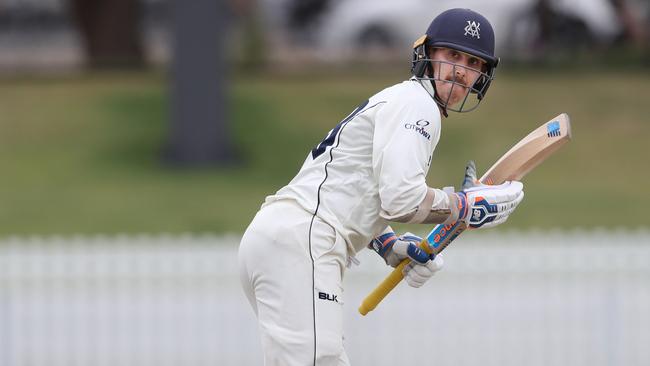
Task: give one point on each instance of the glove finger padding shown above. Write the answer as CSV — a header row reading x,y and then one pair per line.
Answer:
x,y
407,246
502,216
500,193
491,205
394,249
417,274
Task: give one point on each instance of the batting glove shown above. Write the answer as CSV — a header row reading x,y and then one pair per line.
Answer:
x,y
483,206
394,250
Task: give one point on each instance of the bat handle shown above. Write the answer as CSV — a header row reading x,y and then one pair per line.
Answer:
x,y
388,284
437,240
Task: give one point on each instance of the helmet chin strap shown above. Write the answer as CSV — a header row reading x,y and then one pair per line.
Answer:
x,y
436,97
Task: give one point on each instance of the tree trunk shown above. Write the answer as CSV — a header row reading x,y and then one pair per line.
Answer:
x,y
199,119
110,32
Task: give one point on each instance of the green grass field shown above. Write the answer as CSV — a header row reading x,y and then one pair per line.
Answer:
x,y
82,154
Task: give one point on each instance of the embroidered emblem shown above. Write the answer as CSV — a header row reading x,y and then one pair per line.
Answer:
x,y
472,29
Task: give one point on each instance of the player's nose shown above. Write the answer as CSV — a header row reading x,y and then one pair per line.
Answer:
x,y
460,74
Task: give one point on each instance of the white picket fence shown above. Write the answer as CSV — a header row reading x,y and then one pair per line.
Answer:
x,y
532,298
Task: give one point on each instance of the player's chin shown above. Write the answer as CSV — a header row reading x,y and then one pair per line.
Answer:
x,y
455,96
459,94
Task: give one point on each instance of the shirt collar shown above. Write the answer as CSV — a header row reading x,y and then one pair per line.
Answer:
x,y
428,86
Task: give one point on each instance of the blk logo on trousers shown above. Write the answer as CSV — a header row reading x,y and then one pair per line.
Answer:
x,y
328,297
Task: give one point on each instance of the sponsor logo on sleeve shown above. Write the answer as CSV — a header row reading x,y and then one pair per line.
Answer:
x,y
419,128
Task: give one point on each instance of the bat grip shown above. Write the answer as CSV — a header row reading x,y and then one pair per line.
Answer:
x,y
388,284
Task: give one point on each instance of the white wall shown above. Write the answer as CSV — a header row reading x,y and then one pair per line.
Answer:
x,y
503,299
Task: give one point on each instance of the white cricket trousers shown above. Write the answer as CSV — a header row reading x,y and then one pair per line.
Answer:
x,y
291,265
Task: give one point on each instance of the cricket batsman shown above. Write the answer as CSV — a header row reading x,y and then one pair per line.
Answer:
x,y
369,171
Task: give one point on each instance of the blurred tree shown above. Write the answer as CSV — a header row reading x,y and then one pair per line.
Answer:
x,y
558,30
634,30
304,16
110,31
253,55
199,133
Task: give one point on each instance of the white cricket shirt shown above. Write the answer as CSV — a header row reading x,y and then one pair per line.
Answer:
x,y
373,162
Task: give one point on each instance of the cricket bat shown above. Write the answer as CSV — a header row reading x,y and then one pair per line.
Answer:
x,y
528,153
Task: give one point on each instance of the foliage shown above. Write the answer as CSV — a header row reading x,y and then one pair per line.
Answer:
x,y
83,154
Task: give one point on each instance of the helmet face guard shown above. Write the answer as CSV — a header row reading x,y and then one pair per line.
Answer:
x,y
465,31
425,68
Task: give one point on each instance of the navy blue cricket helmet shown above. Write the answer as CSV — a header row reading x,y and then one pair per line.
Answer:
x,y
463,30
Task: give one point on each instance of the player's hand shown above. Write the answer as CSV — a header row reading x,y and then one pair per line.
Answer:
x,y
483,206
394,249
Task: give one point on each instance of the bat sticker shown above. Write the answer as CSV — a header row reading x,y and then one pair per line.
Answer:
x,y
553,129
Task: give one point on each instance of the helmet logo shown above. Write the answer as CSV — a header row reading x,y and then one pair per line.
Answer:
x,y
472,29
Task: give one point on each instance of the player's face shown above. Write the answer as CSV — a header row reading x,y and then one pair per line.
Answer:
x,y
455,73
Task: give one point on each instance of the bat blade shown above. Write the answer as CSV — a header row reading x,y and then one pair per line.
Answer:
x,y
527,154
530,151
